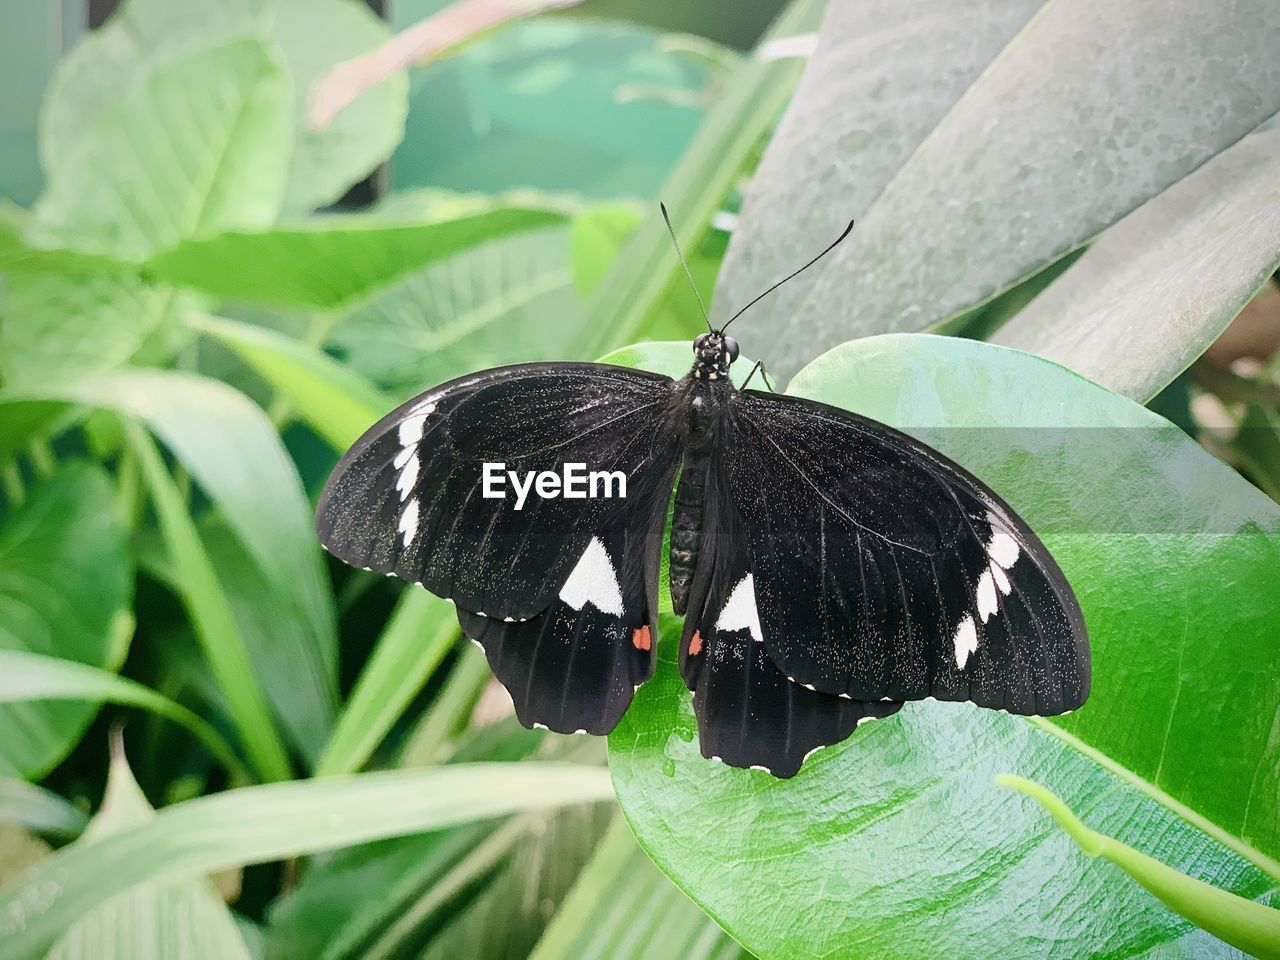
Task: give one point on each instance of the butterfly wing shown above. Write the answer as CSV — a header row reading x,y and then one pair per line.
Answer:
x,y
749,713
883,569
554,588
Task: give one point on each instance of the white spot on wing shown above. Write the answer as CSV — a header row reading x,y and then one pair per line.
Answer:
x,y
409,522
403,456
966,641
594,581
408,477
1003,549
411,430
986,596
739,612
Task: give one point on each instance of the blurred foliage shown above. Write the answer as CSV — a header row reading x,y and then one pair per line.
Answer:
x,y
188,342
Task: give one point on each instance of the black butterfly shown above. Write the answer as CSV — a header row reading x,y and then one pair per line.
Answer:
x,y
829,567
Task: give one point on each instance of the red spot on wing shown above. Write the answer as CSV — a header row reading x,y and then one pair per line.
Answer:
x,y
641,640
695,644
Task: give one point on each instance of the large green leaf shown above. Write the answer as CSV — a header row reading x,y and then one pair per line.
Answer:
x,y
66,590
30,676
623,908
334,400
508,300
311,35
256,824
983,144
180,919
54,327
208,135
335,261
1156,289
1253,927
1175,560
234,454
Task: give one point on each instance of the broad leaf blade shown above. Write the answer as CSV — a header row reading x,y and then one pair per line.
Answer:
x,y
257,824
184,919
1174,559
505,301
1155,290
334,400
66,590
312,36
333,262
217,124
1000,186
883,76
1252,927
28,677
234,454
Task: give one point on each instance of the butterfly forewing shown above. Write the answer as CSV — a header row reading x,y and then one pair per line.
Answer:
x,y
884,570
408,498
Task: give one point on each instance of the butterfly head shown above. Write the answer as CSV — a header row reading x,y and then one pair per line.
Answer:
x,y
713,354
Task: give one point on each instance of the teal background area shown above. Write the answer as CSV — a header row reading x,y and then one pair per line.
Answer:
x,y
537,105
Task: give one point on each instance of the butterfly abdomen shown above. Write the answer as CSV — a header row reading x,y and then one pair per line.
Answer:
x,y
686,526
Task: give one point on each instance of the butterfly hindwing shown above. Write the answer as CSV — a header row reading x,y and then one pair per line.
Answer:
x,y
408,498
750,714
574,667
883,569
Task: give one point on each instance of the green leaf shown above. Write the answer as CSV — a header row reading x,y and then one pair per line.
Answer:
x,y
482,307
37,809
234,454
211,614
276,821
419,634
66,590
311,35
26,677
596,236
55,327
315,37
976,160
1175,561
478,890
1155,290
21,254
1242,923
646,271
335,401
623,907
208,133
184,919
334,261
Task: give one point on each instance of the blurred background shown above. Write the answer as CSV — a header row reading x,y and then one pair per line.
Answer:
x,y
233,234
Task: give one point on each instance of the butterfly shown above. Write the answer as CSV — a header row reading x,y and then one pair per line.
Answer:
x,y
828,567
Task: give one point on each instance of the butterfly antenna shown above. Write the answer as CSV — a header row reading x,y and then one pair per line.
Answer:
x,y
676,243
835,243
